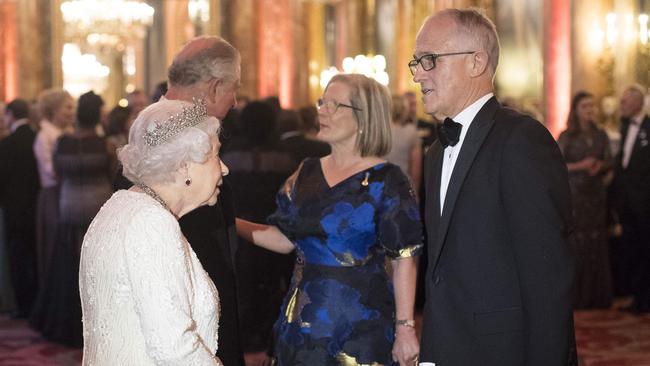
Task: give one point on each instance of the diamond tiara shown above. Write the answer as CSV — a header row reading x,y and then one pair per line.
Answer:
x,y
190,116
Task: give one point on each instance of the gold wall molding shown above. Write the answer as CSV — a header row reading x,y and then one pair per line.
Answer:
x,y
8,47
240,30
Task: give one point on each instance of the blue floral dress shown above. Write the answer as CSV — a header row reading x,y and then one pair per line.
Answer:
x,y
340,309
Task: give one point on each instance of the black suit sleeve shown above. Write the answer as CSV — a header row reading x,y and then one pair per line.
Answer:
x,y
536,197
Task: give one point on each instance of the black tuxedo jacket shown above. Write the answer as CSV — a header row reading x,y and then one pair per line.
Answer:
x,y
632,184
19,181
498,286
210,230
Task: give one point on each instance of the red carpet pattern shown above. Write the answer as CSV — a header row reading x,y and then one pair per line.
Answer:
x,y
21,346
612,338
605,338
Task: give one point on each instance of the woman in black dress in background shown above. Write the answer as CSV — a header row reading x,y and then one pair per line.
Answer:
x,y
586,151
81,162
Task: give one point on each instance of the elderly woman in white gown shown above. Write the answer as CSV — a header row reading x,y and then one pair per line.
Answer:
x,y
145,297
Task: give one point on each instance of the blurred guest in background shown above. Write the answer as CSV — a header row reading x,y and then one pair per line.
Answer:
x,y
117,130
586,151
159,91
294,141
426,129
19,185
309,122
631,191
57,109
81,163
406,147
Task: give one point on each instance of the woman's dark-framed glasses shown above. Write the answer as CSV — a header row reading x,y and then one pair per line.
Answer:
x,y
428,61
331,106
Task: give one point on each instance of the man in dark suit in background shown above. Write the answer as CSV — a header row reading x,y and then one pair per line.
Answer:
x,y
19,185
293,140
426,129
631,194
498,286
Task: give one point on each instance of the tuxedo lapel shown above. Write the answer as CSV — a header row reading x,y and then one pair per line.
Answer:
x,y
432,214
476,134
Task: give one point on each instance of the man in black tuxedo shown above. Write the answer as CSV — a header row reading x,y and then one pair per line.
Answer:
x,y
498,286
19,186
208,68
631,189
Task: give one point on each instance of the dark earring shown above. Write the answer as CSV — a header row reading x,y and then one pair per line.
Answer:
x,y
188,181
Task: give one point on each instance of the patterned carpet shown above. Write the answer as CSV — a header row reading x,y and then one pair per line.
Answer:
x,y
21,346
612,338
605,338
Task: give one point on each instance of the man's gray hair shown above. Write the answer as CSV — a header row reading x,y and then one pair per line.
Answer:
x,y
216,59
159,164
638,89
472,23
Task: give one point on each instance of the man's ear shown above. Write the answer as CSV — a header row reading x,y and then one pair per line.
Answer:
x,y
214,89
478,64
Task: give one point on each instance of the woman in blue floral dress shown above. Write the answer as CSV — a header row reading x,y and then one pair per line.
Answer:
x,y
343,214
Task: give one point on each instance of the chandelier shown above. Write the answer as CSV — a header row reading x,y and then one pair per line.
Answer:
x,y
626,29
82,72
370,66
106,21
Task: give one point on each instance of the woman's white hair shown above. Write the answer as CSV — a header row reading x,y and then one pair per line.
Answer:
x,y
159,164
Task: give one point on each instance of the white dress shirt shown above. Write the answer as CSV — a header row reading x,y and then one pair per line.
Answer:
x,y
44,151
630,138
465,118
18,123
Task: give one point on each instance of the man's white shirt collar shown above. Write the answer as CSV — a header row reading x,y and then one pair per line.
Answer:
x,y
638,118
18,123
450,153
466,116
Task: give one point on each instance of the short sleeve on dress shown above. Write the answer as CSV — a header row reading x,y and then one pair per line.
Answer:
x,y
400,227
285,214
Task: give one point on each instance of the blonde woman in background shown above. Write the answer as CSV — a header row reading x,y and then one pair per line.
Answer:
x,y
57,108
406,151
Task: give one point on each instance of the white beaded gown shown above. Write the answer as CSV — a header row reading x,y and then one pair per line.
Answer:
x,y
145,297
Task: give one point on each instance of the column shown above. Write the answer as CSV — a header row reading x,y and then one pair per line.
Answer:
x,y
275,62
557,64
9,62
240,31
154,60
32,59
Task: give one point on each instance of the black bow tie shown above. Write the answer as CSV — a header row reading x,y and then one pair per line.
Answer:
x,y
449,132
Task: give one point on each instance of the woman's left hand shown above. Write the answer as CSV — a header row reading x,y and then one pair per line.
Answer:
x,y
406,347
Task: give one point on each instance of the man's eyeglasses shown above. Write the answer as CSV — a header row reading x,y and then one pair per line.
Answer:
x,y
428,61
331,106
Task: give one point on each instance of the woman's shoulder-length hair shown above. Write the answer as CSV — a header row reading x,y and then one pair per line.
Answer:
x,y
372,112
